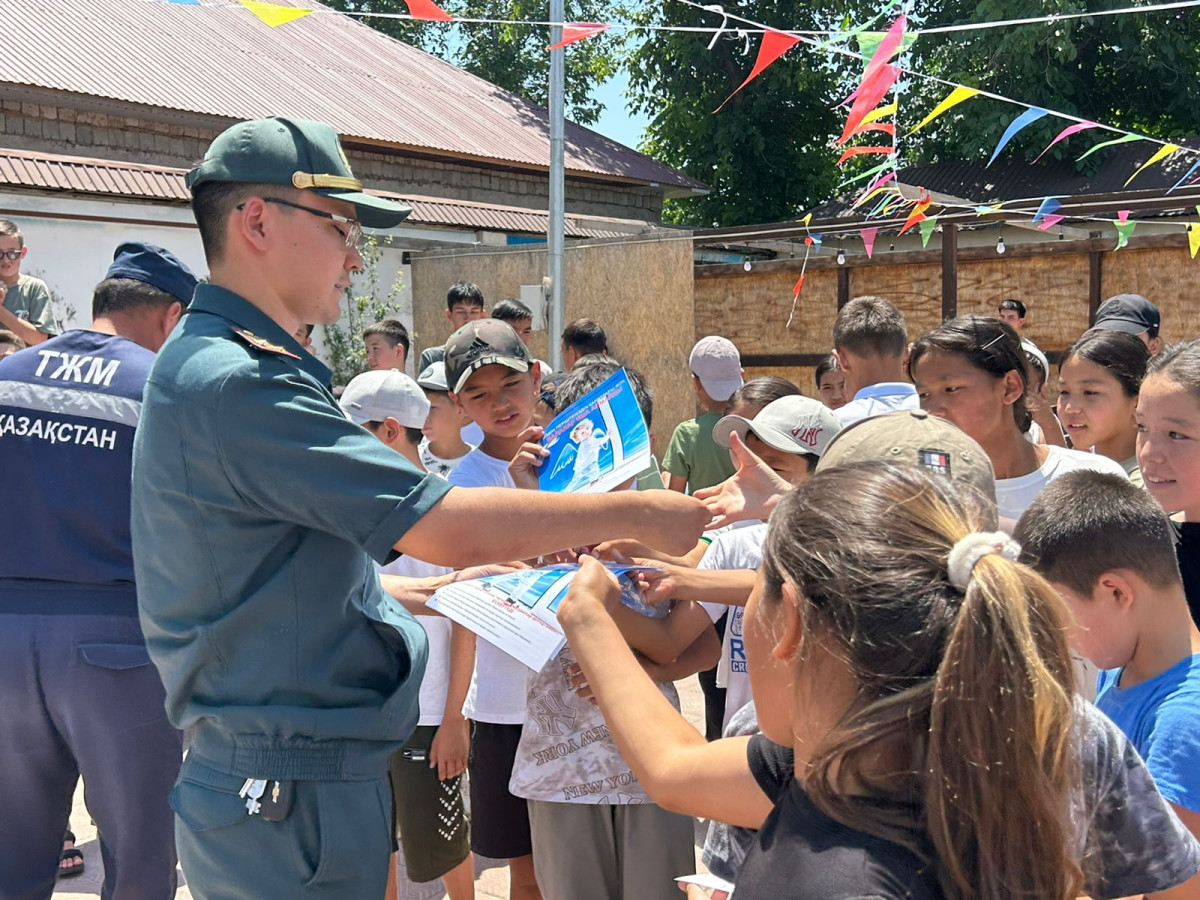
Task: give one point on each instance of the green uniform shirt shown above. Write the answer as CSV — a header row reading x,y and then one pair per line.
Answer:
x,y
257,509
29,300
694,455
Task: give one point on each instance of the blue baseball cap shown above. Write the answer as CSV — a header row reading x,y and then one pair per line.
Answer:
x,y
154,266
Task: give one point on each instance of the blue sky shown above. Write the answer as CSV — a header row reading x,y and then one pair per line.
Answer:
x,y
616,121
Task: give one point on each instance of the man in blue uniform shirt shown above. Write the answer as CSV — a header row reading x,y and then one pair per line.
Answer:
x,y
78,695
257,509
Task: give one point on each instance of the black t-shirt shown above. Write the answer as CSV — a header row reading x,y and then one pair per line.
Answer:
x,y
801,853
1187,549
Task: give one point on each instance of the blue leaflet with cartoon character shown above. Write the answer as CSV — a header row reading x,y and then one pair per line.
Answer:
x,y
597,442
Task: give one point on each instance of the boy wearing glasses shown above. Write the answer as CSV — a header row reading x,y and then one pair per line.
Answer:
x,y
25,308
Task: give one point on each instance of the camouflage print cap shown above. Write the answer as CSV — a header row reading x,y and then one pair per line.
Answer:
x,y
299,153
483,342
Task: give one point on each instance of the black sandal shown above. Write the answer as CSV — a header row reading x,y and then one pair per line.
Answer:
x,y
70,855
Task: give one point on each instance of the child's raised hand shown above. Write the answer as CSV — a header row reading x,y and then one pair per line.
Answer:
x,y
524,466
751,493
593,589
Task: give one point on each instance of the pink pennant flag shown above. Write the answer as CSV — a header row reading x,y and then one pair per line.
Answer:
x,y
1049,221
577,31
1123,215
1066,133
428,10
874,89
774,45
868,239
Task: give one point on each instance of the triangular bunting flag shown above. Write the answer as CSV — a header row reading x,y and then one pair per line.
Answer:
x,y
1123,215
1124,231
1193,239
874,88
274,15
774,44
916,216
1195,166
428,11
869,41
868,239
881,112
957,96
1123,139
577,32
1049,205
851,152
927,227
1163,152
1025,119
1066,133
1050,221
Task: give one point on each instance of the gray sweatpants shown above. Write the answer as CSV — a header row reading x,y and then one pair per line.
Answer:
x,y
600,852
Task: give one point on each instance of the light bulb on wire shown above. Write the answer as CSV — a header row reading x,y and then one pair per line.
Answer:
x,y
1000,248
841,257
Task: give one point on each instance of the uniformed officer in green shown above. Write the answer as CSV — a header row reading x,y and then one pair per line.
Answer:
x,y
257,509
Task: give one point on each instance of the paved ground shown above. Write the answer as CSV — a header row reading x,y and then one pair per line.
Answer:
x,y
491,885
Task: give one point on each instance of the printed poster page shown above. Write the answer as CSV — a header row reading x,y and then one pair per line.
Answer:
x,y
516,611
596,443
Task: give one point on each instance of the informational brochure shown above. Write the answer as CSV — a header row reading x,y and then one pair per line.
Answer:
x,y
597,442
516,611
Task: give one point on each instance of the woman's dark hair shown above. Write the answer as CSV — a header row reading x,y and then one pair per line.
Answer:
x,y
828,364
988,344
1125,356
762,390
1180,363
969,690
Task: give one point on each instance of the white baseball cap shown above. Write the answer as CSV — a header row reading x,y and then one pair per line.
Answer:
x,y
792,424
383,394
716,362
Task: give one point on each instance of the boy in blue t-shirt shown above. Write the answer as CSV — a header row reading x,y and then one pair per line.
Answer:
x,y
1106,546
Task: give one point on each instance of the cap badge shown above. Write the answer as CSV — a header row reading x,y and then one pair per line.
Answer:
x,y
934,460
262,343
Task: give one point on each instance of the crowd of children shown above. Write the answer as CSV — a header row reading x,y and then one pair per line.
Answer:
x,y
915,585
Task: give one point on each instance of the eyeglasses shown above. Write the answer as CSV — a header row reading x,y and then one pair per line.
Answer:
x,y
11,254
353,234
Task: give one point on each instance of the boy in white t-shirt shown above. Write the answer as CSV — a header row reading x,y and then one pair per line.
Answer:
x,y
426,773
493,380
789,435
442,446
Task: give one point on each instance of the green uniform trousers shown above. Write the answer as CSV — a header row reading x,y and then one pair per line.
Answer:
x,y
335,842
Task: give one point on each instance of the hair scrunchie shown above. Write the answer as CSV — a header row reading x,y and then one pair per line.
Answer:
x,y
968,551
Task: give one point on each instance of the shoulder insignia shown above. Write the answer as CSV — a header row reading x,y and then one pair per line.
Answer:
x,y
262,343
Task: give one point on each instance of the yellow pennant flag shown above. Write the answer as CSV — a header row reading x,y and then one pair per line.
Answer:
x,y
957,96
1162,154
273,14
1193,238
889,110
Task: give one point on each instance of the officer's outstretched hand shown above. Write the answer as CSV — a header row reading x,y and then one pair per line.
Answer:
x,y
751,493
671,523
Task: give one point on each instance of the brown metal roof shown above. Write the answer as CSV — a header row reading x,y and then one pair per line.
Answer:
x,y
49,172
220,60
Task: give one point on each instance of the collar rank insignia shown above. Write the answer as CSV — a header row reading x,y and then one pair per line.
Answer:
x,y
262,343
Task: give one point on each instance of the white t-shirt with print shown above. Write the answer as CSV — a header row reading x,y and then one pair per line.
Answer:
x,y
436,683
566,754
740,548
1014,495
437,465
497,693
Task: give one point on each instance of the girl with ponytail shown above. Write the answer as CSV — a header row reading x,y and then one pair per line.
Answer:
x,y
913,687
